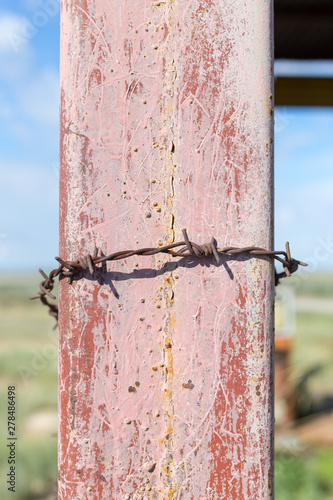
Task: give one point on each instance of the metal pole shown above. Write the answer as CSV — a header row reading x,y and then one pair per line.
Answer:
x,y
165,367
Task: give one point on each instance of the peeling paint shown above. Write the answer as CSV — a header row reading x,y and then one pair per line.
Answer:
x,y
165,369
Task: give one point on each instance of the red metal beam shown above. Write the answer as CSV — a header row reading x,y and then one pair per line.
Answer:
x,y
165,371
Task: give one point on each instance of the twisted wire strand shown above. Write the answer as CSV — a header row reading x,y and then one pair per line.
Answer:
x,y
187,248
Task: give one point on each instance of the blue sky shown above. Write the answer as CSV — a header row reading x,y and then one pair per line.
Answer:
x,y
304,183
29,141
29,138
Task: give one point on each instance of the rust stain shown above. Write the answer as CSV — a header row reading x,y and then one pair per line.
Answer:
x,y
188,385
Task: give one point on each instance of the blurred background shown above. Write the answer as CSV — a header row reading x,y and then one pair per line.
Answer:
x,y
29,104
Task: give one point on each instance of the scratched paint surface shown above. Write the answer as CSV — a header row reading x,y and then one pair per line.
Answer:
x,y
165,367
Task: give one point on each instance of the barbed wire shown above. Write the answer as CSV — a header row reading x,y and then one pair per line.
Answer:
x,y
70,269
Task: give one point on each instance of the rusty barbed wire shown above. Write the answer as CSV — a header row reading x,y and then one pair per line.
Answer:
x,y
188,248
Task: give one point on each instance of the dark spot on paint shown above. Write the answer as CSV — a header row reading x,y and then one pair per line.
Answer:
x,y
100,476
189,385
131,389
137,384
152,468
270,479
73,400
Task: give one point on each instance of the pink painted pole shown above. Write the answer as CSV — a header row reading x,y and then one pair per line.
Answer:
x,y
165,368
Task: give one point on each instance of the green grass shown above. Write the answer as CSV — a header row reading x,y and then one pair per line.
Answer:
x,y
36,468
28,360
306,477
305,283
313,350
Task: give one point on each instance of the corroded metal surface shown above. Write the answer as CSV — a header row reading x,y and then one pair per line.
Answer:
x,y
165,381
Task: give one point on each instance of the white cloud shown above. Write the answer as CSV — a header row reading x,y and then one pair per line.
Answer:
x,y
10,25
29,185
14,69
40,97
303,214
315,199
6,112
30,93
285,216
28,215
14,63
310,204
25,92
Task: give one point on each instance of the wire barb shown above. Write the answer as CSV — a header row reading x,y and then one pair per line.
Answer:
x,y
71,269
